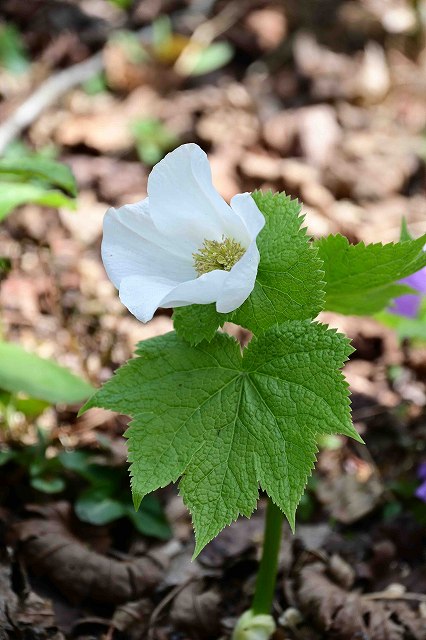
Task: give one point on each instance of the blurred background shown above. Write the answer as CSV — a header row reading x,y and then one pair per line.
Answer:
x,y
323,99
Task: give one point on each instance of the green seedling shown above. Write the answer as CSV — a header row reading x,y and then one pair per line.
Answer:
x,y
153,140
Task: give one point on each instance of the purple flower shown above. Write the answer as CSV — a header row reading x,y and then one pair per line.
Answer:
x,y
421,471
408,304
421,474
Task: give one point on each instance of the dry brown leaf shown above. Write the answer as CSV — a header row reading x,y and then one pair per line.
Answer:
x,y
234,541
373,80
197,610
50,548
348,498
117,181
223,163
331,73
104,123
133,617
268,25
347,615
86,226
319,133
316,195
121,73
341,571
27,616
229,123
261,165
106,132
280,131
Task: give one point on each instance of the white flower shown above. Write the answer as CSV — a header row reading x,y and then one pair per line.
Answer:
x,y
183,244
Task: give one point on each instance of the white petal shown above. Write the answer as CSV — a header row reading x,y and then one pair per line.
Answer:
x,y
137,218
132,245
245,207
202,290
142,295
240,281
184,203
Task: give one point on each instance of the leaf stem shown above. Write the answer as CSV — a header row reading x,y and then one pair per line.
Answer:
x,y
266,577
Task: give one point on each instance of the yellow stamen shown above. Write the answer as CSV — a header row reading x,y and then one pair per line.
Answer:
x,y
217,255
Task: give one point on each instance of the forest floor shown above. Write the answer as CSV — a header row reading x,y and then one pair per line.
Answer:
x,y
324,100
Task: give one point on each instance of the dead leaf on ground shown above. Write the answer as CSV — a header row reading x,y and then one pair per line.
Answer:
x,y
234,541
27,615
229,123
104,123
115,181
346,615
319,133
268,25
90,230
349,498
50,547
280,129
331,73
197,610
123,74
133,617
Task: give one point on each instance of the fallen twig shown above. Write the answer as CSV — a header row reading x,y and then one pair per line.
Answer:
x,y
46,94
388,595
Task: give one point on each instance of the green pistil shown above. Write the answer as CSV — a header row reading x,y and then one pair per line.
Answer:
x,y
217,255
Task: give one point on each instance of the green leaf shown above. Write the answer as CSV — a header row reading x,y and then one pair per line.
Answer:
x,y
153,139
361,279
48,485
404,233
95,85
406,328
30,407
96,507
12,51
122,4
14,194
53,174
150,519
226,422
289,283
198,322
213,57
161,31
39,378
76,461
5,267
35,179
6,455
131,46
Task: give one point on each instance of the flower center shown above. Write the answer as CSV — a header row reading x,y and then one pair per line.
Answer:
x,y
217,255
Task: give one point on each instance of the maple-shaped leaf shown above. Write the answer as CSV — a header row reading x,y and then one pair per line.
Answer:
x,y
289,283
227,422
198,322
362,279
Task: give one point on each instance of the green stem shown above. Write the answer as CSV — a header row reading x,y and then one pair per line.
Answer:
x,y
267,575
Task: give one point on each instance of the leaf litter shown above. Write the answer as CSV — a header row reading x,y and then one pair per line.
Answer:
x,y
331,111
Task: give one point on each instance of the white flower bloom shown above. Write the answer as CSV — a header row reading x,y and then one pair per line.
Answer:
x,y
183,244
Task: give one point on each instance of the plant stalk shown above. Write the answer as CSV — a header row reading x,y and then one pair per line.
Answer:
x,y
267,575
